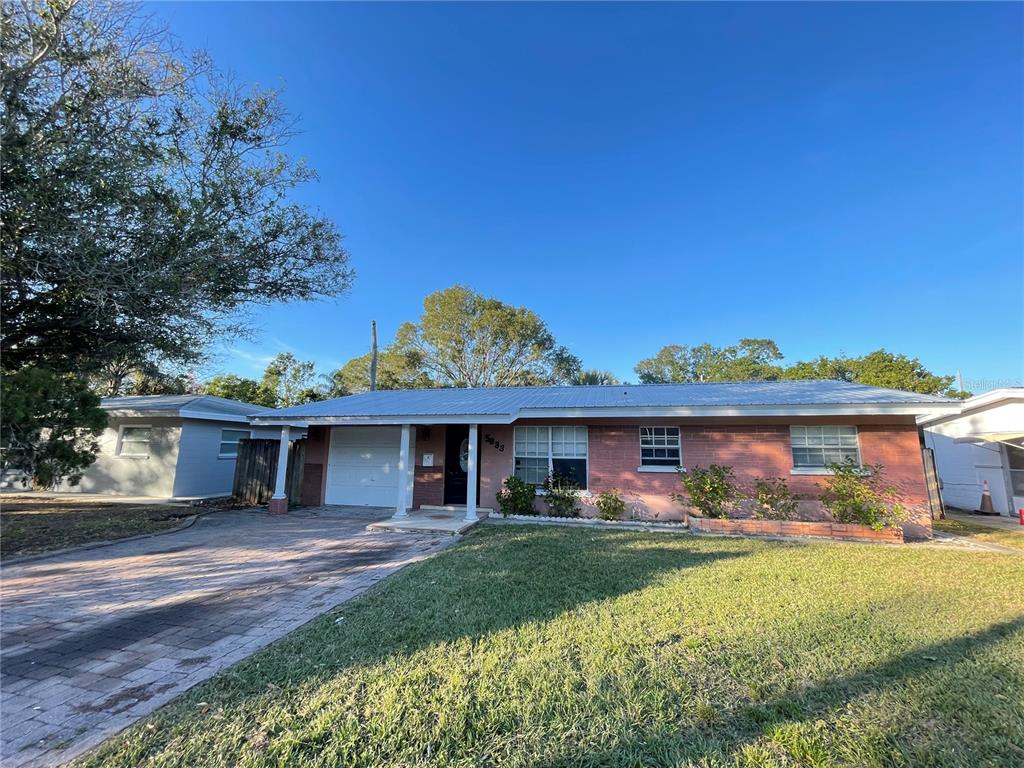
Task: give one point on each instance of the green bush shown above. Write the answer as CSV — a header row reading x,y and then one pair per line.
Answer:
x,y
610,505
856,494
712,490
562,496
516,498
774,499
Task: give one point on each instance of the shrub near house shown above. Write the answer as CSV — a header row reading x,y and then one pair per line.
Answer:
x,y
855,497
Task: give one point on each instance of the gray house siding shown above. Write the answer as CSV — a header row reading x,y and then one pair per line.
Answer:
x,y
201,471
151,475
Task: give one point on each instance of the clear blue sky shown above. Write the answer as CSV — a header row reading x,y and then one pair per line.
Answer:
x,y
835,177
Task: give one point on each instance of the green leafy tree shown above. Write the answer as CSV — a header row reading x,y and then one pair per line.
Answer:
x,y
50,425
395,370
237,388
146,203
747,360
594,376
880,368
290,380
145,200
464,339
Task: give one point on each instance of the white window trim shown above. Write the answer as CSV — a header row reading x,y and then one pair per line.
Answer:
x,y
823,470
656,468
120,442
551,459
231,456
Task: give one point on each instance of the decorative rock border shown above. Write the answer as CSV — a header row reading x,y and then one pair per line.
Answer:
x,y
593,522
826,530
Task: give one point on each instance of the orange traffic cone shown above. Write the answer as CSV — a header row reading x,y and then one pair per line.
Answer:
x,y
986,500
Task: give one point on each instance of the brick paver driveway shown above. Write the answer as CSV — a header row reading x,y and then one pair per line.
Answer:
x,y
92,641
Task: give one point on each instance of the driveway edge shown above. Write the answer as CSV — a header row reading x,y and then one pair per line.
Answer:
x,y
188,523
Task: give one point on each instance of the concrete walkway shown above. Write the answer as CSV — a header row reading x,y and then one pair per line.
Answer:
x,y
93,640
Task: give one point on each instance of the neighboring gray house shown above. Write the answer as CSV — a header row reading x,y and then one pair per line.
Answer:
x,y
171,446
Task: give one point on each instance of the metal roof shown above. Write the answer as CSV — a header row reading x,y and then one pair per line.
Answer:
x,y
505,404
185,406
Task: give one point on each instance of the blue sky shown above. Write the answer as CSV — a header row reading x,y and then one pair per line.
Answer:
x,y
835,177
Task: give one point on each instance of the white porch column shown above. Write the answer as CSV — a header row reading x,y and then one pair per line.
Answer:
x,y
403,473
471,469
279,501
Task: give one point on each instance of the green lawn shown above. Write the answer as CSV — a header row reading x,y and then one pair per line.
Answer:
x,y
32,525
981,532
544,646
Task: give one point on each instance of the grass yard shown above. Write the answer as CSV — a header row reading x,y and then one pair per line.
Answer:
x,y
537,646
32,525
981,532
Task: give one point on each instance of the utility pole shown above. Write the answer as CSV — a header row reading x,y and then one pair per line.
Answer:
x,y
373,355
960,380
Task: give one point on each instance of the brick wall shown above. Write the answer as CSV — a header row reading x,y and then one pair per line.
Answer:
x,y
428,485
314,470
753,451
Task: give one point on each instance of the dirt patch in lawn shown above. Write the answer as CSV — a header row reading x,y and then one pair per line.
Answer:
x,y
29,526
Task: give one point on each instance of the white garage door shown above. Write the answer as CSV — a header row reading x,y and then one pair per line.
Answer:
x,y
362,466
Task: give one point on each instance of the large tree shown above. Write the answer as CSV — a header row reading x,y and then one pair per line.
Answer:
x,y
760,360
145,201
395,370
880,368
749,359
286,381
463,339
145,197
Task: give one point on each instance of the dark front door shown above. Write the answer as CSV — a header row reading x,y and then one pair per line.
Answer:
x,y
456,453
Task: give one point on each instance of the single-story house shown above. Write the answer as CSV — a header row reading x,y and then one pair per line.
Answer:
x,y
170,446
984,443
408,449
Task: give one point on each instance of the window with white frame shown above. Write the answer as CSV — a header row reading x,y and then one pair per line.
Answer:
x,y
1015,458
659,447
815,447
543,451
134,441
229,442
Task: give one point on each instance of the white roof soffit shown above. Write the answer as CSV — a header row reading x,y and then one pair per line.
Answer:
x,y
921,410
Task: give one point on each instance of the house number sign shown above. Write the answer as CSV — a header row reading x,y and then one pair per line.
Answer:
x,y
489,439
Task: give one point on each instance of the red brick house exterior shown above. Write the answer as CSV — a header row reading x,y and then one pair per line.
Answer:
x,y
755,445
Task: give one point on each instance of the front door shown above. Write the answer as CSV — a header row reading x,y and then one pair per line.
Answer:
x,y
456,466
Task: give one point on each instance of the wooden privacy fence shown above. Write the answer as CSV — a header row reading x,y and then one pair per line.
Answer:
x,y
256,470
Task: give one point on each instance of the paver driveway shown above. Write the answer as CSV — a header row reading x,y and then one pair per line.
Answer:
x,y
94,640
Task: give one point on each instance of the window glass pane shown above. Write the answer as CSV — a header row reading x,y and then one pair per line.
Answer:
x,y
659,447
1017,480
135,441
532,471
1015,456
572,469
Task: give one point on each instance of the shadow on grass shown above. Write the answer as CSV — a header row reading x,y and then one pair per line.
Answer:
x,y
750,722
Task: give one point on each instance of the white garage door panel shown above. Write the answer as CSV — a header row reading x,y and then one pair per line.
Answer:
x,y
362,466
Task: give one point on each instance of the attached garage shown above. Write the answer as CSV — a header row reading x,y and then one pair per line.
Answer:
x,y
363,466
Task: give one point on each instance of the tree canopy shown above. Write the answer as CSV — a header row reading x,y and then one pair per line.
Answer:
x,y
759,360
146,197
749,359
146,205
286,381
463,339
